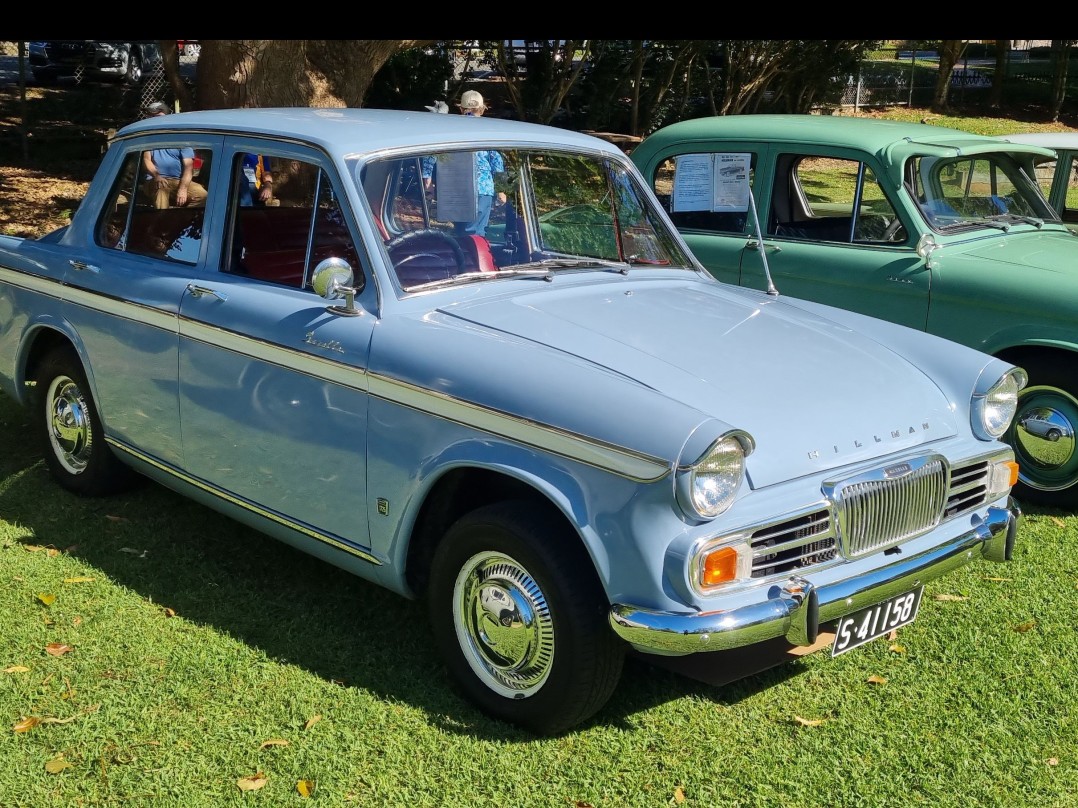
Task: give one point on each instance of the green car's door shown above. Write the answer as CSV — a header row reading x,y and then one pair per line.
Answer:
x,y
834,236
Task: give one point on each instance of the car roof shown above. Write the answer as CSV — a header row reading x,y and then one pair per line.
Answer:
x,y
1053,140
358,131
896,138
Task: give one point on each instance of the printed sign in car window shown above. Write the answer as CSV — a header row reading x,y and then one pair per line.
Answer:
x,y
456,192
714,182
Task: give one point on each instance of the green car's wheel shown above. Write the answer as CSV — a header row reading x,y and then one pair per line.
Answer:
x,y
521,618
1043,434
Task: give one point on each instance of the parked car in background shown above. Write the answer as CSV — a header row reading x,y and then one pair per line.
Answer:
x,y
563,433
93,60
933,228
1057,176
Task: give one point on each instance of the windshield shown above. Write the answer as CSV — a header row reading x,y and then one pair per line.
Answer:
x,y
467,216
988,190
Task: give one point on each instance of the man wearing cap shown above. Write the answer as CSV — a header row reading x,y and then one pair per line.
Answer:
x,y
487,164
169,178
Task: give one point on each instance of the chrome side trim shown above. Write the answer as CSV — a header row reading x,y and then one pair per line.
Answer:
x,y
326,538
618,460
786,611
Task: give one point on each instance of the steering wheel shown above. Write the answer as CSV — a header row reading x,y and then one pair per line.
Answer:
x,y
413,238
892,228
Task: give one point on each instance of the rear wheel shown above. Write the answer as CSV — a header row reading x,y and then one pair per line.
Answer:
x,y
133,76
521,618
1043,434
70,428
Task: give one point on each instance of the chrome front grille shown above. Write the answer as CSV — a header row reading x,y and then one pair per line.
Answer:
x,y
793,544
870,512
891,504
969,488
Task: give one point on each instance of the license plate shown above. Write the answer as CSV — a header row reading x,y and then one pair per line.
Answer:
x,y
875,621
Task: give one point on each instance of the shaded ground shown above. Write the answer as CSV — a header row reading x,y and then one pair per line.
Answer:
x,y
51,143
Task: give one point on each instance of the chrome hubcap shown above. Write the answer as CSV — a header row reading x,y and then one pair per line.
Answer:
x,y
69,424
503,625
1044,439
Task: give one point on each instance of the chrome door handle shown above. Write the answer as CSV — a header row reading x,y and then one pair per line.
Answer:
x,y
202,291
81,265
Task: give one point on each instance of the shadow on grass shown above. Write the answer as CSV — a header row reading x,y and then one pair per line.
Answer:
x,y
295,608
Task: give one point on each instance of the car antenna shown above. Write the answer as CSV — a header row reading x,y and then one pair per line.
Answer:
x,y
771,290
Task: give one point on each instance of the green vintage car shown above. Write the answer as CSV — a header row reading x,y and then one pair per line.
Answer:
x,y
934,228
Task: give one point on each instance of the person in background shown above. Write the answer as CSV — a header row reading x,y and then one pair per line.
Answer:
x,y
488,164
170,173
258,185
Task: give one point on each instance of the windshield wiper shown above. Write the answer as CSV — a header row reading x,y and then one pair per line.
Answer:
x,y
469,277
975,223
574,263
1033,220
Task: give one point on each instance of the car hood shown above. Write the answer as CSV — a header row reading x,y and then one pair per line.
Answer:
x,y
1053,251
813,394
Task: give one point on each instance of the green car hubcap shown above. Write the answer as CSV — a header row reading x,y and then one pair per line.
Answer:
x,y
1044,439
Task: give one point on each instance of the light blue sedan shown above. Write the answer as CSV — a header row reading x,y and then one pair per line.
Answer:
x,y
536,411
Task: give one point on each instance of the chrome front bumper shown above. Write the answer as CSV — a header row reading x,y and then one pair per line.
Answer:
x,y
796,609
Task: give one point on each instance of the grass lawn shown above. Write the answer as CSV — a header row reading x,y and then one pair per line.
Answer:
x,y
157,654
203,655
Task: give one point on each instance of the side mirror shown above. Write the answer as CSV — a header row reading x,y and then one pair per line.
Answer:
x,y
332,279
926,245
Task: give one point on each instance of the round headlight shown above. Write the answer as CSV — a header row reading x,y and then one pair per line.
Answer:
x,y
708,487
992,413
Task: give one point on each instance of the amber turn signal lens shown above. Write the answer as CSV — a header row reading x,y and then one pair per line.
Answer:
x,y
720,567
1013,466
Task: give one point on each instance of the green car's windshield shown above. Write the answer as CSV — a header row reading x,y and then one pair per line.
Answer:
x,y
985,190
468,216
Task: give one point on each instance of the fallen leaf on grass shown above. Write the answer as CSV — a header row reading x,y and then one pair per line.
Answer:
x,y
82,579
808,722
274,742
944,596
51,552
1052,761
1022,628
314,719
46,598
58,764
252,782
58,648
876,680
679,795
26,724
16,669
895,648
305,787
169,612
1058,522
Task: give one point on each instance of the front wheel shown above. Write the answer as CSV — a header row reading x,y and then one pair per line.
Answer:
x,y
521,618
70,428
1043,434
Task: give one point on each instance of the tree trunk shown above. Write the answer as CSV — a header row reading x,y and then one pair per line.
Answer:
x,y
289,72
1003,54
950,52
1061,52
